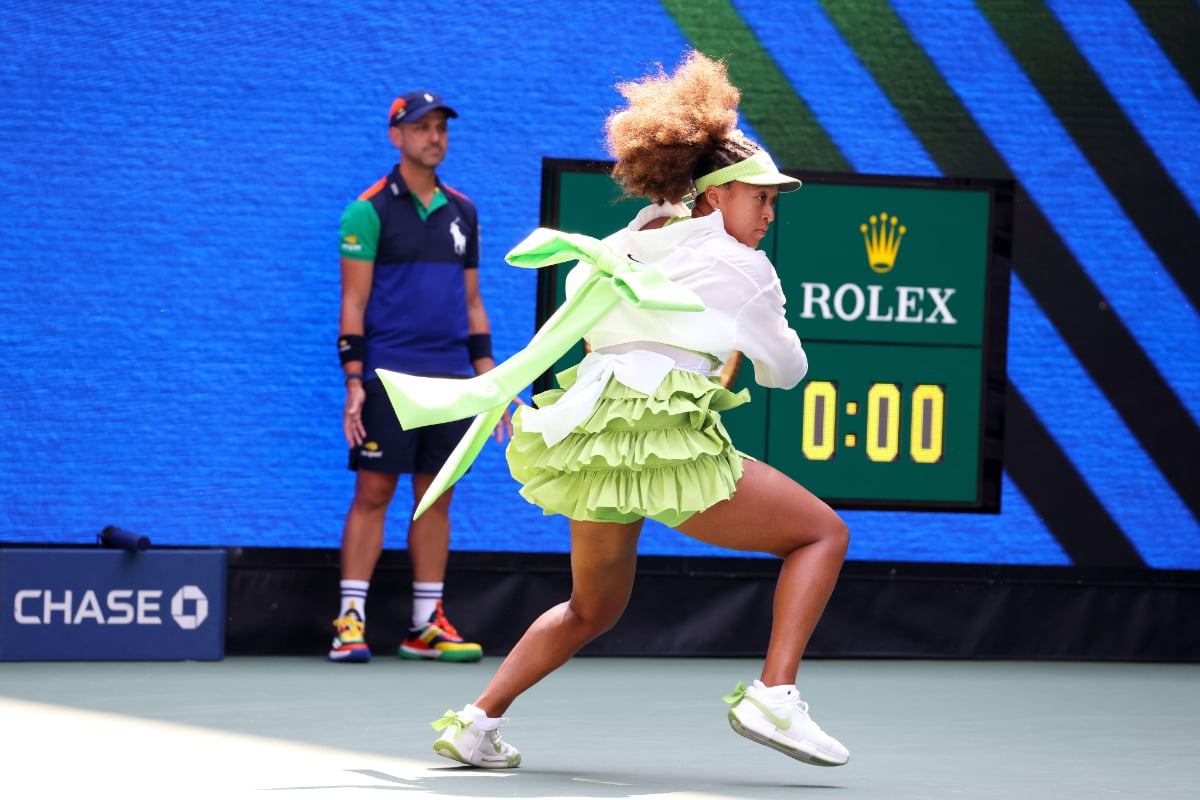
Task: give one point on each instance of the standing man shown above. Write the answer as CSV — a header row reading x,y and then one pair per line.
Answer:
x,y
410,302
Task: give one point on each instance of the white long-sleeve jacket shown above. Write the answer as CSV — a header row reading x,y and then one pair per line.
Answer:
x,y
742,296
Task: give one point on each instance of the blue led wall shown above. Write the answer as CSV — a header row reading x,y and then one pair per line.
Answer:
x,y
171,177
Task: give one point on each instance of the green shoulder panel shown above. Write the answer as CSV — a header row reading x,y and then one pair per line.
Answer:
x,y
359,231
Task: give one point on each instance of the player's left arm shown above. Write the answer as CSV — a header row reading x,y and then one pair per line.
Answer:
x,y
477,319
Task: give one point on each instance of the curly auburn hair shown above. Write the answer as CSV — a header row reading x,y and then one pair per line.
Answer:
x,y
675,129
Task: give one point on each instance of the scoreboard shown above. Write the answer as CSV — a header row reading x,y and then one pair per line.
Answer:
x,y
898,288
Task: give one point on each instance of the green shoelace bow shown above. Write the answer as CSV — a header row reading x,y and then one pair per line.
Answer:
x,y
735,697
451,719
421,401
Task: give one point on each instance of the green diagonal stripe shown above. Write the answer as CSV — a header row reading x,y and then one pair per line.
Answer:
x,y
915,87
782,120
1102,132
1047,268
1176,26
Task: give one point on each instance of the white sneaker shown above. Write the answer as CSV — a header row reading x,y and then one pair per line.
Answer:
x,y
472,737
777,717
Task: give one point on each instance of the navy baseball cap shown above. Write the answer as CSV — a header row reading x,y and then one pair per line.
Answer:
x,y
412,106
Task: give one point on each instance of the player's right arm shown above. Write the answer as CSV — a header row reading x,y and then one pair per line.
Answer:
x,y
359,234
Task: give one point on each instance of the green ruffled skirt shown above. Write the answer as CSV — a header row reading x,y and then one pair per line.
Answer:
x,y
665,457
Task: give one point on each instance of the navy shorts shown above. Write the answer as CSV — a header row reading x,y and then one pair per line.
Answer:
x,y
391,449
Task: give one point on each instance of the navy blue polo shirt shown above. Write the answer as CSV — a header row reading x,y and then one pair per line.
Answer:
x,y
416,317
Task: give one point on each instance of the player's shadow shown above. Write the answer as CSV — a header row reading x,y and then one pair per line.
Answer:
x,y
470,782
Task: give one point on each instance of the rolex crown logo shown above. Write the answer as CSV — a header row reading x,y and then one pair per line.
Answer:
x,y
882,237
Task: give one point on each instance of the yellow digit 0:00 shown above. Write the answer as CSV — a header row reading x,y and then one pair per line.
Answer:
x,y
818,441
926,431
926,440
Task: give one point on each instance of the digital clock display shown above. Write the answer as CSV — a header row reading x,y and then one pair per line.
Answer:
x,y
898,288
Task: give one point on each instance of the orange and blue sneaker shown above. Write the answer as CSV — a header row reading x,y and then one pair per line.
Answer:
x,y
438,640
349,645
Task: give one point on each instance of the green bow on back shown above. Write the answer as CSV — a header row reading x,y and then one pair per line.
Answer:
x,y
420,401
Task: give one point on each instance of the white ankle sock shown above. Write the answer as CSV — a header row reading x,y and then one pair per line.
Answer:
x,y
354,596
480,718
425,600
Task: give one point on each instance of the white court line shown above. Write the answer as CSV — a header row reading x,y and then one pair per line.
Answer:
x,y
53,751
57,751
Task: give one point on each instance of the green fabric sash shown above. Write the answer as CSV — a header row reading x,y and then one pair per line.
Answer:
x,y
420,401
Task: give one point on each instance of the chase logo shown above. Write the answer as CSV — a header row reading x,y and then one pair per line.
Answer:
x,y
189,599
189,607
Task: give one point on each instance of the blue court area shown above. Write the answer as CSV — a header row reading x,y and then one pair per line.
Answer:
x,y
599,728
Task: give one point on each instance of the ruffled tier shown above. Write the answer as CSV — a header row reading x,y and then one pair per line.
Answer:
x,y
664,456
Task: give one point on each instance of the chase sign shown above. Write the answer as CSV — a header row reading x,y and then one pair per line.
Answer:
x,y
112,605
